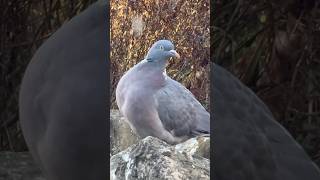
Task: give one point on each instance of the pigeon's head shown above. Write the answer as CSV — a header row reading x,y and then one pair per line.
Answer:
x,y
161,50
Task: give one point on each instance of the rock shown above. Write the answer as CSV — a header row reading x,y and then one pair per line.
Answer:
x,y
18,166
199,146
121,135
152,158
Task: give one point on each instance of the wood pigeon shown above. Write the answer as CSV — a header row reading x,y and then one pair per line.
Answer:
x,y
248,143
156,105
63,99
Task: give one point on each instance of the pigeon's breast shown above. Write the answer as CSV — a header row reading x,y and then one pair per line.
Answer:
x,y
148,77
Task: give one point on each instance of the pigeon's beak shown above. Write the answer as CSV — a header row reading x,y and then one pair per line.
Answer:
x,y
174,53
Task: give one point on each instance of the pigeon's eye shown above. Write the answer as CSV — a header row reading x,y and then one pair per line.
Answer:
x,y
161,47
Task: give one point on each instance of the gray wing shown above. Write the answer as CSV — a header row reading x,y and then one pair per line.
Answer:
x,y
248,142
180,111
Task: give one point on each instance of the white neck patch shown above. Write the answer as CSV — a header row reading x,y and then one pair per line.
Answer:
x,y
144,61
165,74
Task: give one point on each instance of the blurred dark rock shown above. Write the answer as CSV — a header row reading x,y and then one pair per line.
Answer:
x,y
18,166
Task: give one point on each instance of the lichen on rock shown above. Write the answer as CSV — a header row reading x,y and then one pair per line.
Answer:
x,y
152,158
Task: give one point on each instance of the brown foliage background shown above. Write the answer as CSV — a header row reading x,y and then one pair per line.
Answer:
x,y
25,25
136,25
274,48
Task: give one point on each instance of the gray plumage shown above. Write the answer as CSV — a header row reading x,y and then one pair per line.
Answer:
x,y
62,101
248,142
156,105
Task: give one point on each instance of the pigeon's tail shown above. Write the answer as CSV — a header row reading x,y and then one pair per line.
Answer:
x,y
203,126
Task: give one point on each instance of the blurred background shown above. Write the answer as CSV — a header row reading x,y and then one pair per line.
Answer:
x,y
25,25
136,25
274,48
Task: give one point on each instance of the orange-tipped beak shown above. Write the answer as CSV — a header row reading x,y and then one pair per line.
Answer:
x,y
174,53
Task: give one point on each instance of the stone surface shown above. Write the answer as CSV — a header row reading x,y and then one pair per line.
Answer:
x,y
152,158
121,135
199,146
18,166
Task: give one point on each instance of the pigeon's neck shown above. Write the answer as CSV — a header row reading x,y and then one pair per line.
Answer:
x,y
154,73
159,64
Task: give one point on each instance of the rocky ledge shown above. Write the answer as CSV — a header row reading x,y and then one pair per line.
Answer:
x,y
152,158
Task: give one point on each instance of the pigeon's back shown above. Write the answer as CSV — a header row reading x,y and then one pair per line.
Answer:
x,y
248,142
